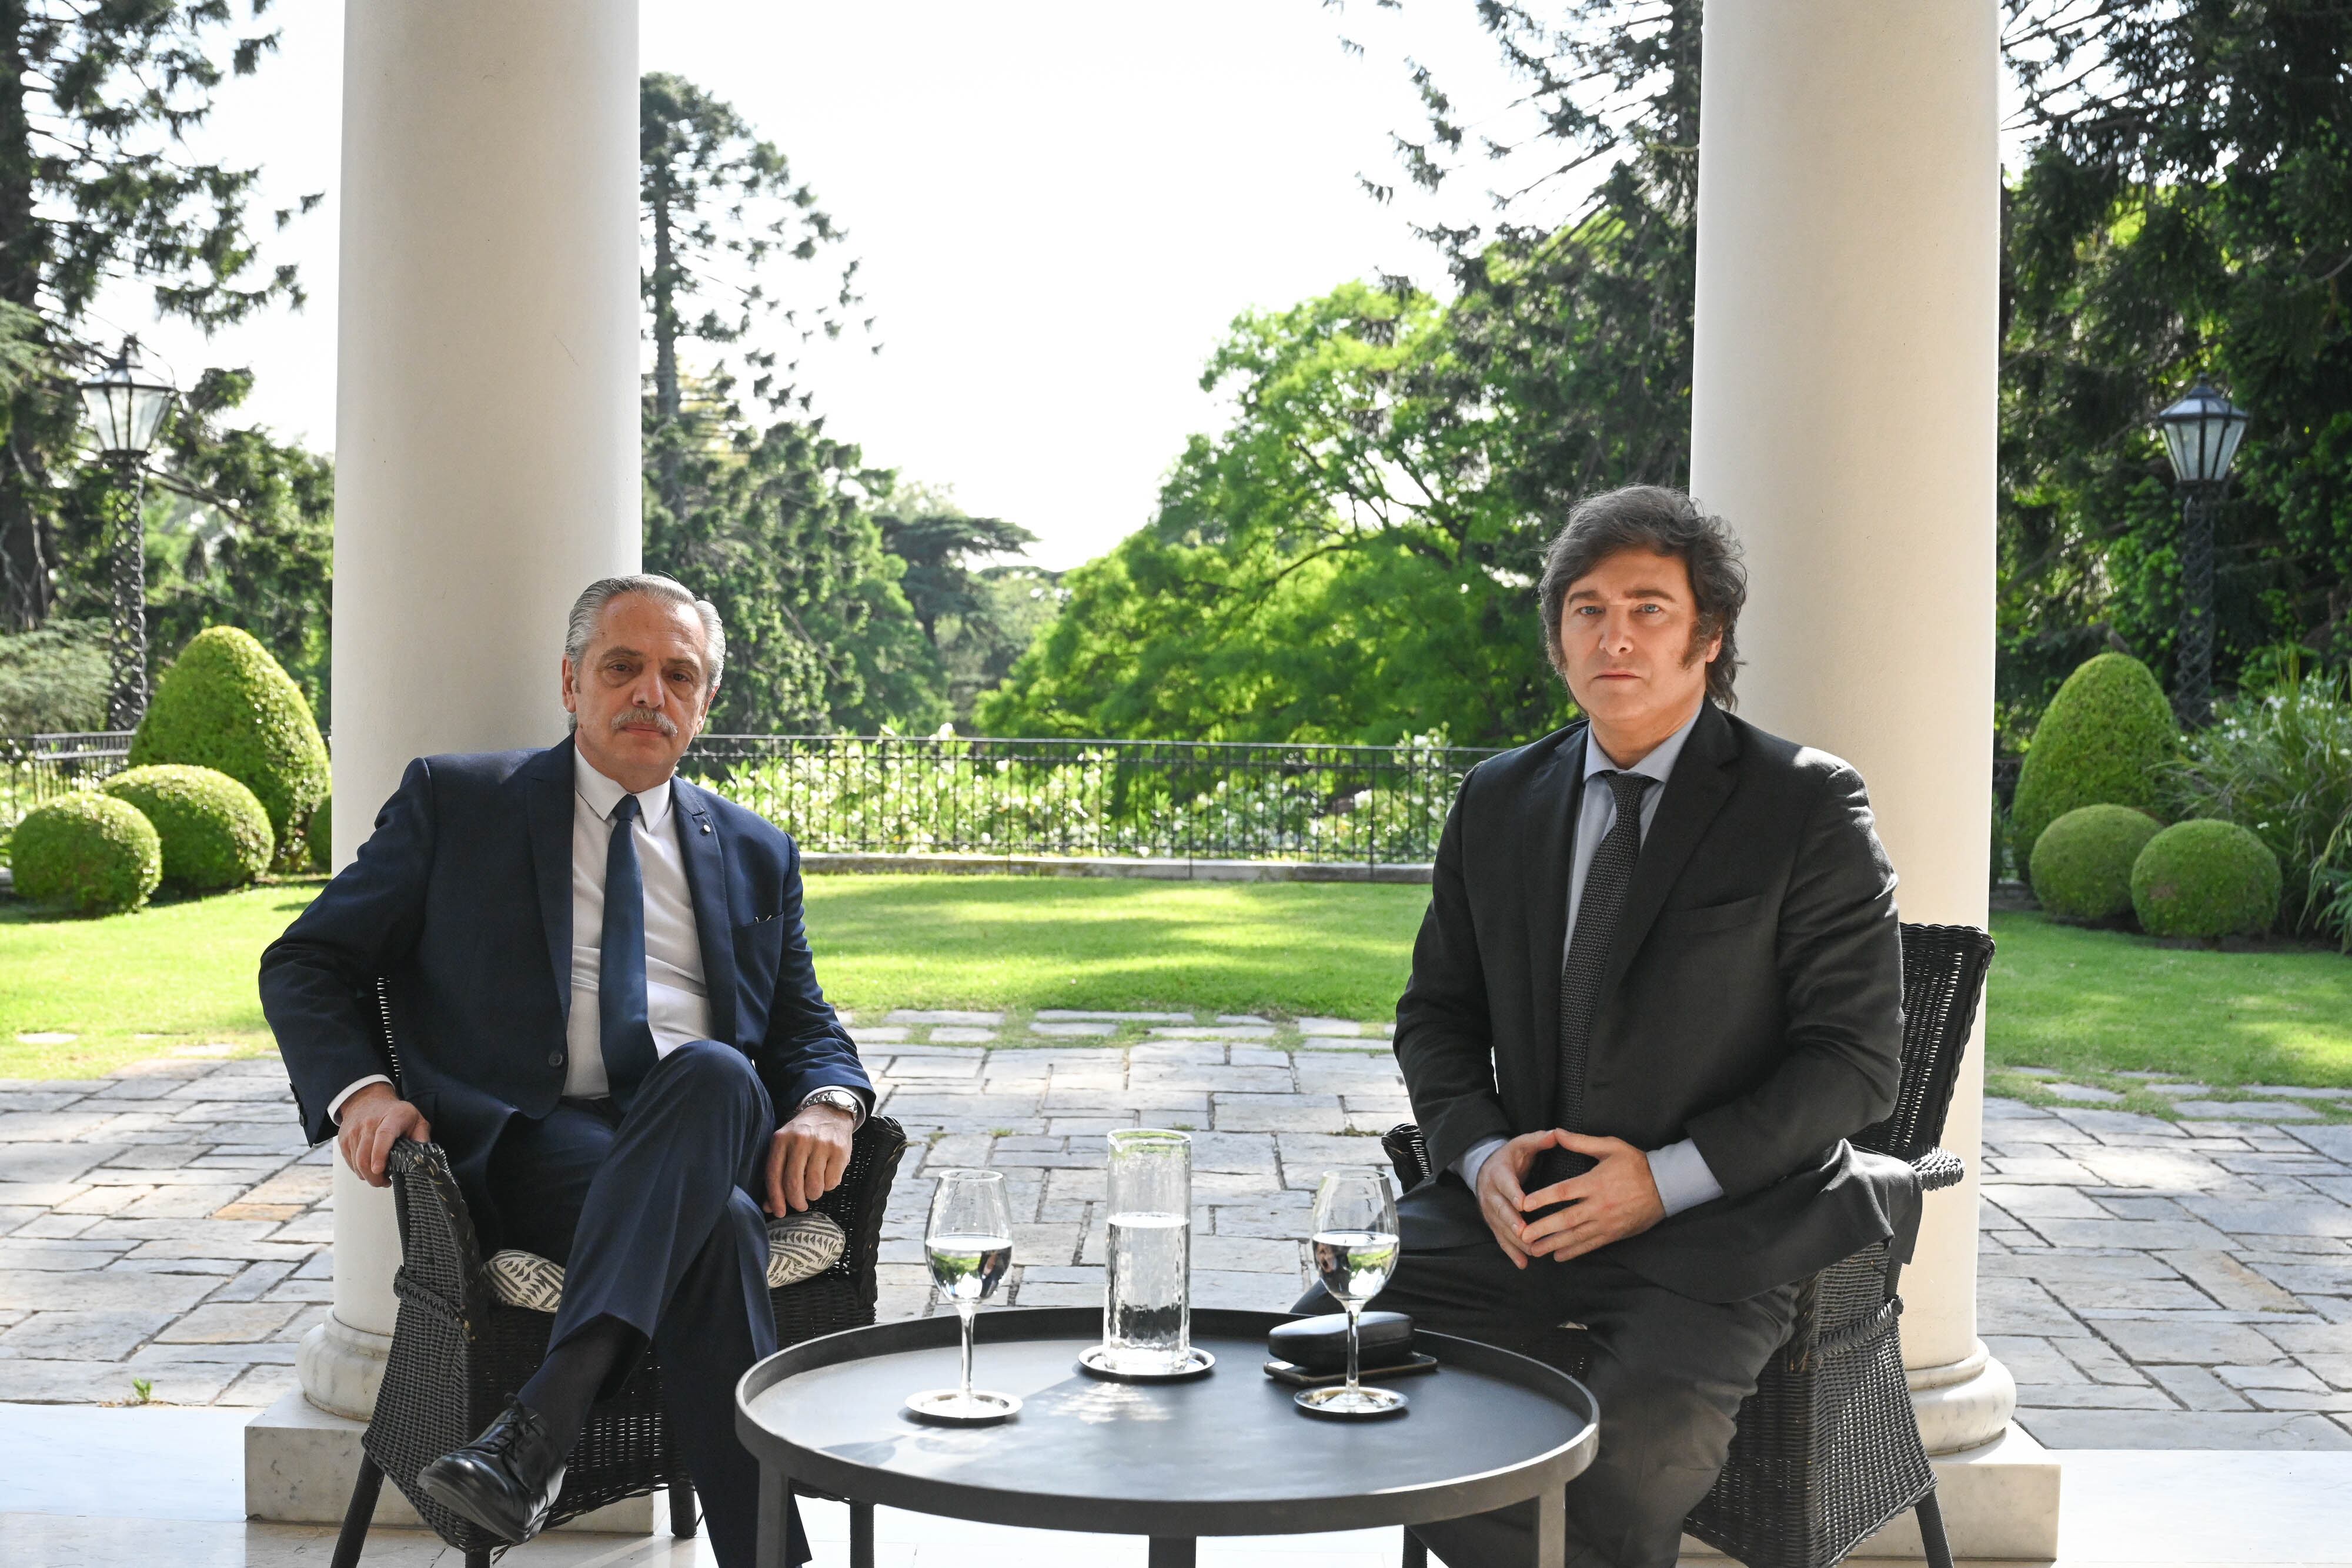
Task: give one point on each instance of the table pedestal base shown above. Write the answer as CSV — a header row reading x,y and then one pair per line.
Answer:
x,y
1169,1552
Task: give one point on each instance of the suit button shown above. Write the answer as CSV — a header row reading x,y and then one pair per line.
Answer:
x,y
555,1059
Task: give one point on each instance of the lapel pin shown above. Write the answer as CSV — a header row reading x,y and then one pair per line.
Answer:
x,y
706,827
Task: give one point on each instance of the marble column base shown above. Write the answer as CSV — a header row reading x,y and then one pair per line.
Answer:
x,y
1963,1405
301,1462
341,1367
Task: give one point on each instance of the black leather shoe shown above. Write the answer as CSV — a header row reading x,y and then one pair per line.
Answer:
x,y
504,1480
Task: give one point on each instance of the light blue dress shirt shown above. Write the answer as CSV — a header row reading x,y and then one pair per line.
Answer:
x,y
1679,1169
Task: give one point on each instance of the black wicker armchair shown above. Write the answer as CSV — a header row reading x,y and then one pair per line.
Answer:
x,y
1827,1450
459,1352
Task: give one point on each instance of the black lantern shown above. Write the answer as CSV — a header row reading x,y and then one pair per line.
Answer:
x,y
126,411
2202,432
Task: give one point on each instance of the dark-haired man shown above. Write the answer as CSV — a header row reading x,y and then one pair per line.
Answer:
x,y
609,1018
1659,984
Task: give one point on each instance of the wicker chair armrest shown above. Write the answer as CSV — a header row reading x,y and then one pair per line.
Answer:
x,y
858,1203
440,1250
1939,1169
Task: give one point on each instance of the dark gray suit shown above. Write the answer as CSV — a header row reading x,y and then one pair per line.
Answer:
x,y
1751,1002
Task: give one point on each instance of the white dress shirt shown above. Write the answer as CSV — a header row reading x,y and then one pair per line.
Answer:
x,y
1679,1170
677,1005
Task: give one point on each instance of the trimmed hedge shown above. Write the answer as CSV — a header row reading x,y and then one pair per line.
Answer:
x,y
215,832
319,837
90,853
225,703
2206,879
2102,742
2083,865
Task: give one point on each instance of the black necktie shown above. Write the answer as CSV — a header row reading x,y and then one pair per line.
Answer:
x,y
623,1031
1598,910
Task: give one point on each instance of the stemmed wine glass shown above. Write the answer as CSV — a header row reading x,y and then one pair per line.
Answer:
x,y
1356,1250
969,1244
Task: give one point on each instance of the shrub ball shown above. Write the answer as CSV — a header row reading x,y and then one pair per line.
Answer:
x,y
319,835
215,832
2102,743
91,853
2205,879
225,703
2083,866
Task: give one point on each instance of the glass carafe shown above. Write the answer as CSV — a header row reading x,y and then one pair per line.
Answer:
x,y
1148,1287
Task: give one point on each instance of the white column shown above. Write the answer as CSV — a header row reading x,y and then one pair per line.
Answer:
x,y
1843,418
486,431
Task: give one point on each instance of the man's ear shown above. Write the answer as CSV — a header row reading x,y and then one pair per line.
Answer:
x,y
570,688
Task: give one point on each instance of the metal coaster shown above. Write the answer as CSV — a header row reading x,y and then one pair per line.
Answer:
x,y
1199,1363
947,1408
1337,1404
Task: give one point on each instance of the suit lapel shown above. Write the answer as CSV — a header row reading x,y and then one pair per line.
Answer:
x,y
548,799
706,881
1548,833
1700,784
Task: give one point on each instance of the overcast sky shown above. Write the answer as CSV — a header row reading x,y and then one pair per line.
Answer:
x,y
1058,206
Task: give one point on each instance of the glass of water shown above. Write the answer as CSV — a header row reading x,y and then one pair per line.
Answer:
x,y
1356,1250
969,1245
1148,1285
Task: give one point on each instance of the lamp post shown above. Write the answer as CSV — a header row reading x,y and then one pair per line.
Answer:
x,y
2200,435
125,412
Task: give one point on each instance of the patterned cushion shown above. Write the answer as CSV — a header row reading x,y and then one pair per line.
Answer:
x,y
800,1247
526,1280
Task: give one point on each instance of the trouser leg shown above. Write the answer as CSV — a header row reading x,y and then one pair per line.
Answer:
x,y
652,1214
1669,1374
720,1322
694,1135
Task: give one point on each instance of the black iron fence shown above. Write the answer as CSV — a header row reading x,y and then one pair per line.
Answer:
x,y
1380,805
36,767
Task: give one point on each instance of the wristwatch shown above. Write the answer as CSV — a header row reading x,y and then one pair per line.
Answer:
x,y
840,1099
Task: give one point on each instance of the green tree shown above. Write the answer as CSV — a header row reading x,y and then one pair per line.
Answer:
x,y
980,619
719,205
1338,565
94,186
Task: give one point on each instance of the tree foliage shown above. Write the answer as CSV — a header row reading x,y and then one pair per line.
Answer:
x,y
94,186
2187,207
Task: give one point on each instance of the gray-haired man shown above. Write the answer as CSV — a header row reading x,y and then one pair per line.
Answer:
x,y
609,1017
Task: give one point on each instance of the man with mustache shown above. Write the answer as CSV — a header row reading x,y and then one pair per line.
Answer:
x,y
608,1016
1658,987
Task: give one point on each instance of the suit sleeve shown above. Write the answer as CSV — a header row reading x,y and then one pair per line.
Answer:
x,y
315,979
1841,970
805,1046
1444,1040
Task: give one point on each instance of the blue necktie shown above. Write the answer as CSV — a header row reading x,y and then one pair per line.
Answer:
x,y
623,1031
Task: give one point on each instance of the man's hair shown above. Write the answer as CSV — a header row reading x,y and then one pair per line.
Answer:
x,y
1663,522
589,609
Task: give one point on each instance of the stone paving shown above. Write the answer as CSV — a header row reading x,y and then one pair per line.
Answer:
x,y
2153,1280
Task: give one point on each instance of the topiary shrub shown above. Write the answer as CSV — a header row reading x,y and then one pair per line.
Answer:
x,y
225,703
90,853
215,832
2205,879
2102,742
319,836
2083,865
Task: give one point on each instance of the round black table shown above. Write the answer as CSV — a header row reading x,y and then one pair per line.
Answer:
x,y
1227,1454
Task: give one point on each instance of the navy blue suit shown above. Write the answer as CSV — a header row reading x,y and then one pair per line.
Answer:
x,y
461,900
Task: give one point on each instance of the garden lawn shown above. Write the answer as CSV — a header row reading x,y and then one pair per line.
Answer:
x,y
2087,1001
177,974
1338,950
181,975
